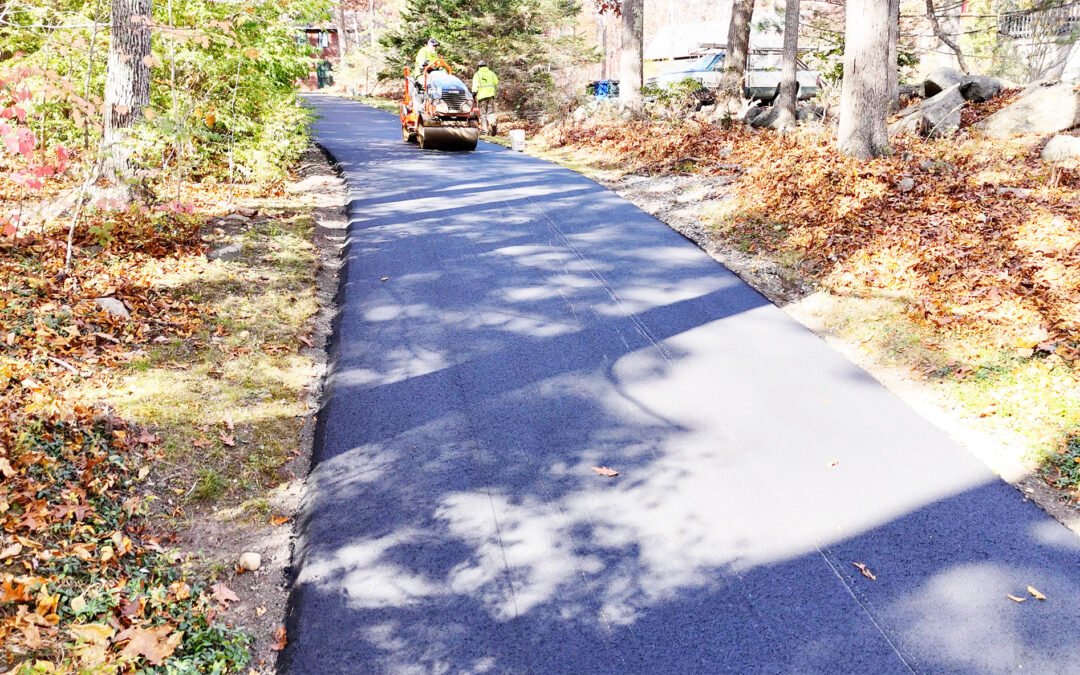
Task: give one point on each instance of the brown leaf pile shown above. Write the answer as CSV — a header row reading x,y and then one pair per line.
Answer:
x,y
987,235
85,583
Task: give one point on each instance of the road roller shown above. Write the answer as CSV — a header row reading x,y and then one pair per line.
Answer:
x,y
438,111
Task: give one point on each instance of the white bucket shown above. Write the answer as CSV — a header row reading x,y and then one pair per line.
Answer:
x,y
517,140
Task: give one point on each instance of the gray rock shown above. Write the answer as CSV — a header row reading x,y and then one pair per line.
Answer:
x,y
940,80
911,90
1014,191
977,88
250,561
936,117
230,252
1061,148
765,118
236,219
753,113
1044,109
907,185
809,112
114,307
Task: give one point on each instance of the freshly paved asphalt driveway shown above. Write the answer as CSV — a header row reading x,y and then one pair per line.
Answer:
x,y
506,326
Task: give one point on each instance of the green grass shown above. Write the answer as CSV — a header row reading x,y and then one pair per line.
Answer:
x,y
242,367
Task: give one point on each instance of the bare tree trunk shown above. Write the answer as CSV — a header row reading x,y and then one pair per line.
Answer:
x,y
343,33
789,84
931,14
864,96
630,66
738,49
603,46
894,55
127,82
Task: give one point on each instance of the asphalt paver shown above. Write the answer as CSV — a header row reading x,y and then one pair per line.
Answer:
x,y
506,325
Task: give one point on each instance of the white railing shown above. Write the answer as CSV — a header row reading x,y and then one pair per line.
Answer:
x,y
1055,21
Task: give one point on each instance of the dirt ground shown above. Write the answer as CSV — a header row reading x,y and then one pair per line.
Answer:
x,y
219,537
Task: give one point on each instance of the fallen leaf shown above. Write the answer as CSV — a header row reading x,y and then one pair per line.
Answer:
x,y
143,472
1035,593
228,440
278,520
5,468
280,639
307,342
865,570
1013,597
153,644
223,593
606,472
259,611
180,590
11,551
78,604
147,438
92,632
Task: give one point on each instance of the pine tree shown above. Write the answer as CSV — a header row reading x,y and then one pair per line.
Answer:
x,y
523,41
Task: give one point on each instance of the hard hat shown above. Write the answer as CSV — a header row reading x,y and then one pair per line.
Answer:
x,y
481,64
433,42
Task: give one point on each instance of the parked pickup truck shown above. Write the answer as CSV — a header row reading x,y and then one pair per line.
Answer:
x,y
762,74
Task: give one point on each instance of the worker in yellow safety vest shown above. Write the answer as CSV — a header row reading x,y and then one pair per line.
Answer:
x,y
427,53
484,83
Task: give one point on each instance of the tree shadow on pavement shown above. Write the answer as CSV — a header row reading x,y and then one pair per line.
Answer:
x,y
492,351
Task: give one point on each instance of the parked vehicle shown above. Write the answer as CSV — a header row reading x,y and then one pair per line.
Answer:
x,y
762,74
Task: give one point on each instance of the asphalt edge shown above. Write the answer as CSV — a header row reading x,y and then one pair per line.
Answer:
x,y
303,516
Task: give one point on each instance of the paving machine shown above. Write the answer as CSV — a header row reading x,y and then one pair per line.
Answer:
x,y
438,111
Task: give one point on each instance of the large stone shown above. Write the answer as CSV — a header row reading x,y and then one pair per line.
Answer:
x,y
114,307
1062,148
940,80
936,117
250,561
230,252
977,88
765,118
1044,109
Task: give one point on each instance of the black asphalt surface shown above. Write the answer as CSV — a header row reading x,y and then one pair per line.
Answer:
x,y
506,326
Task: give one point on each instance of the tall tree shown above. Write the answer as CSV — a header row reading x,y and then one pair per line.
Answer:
x,y
524,41
127,83
894,54
738,50
864,96
630,60
789,84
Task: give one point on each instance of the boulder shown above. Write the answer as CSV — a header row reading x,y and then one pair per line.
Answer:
x,y
977,88
936,117
940,80
1043,109
907,184
809,112
113,306
764,118
1061,148
911,90
230,252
